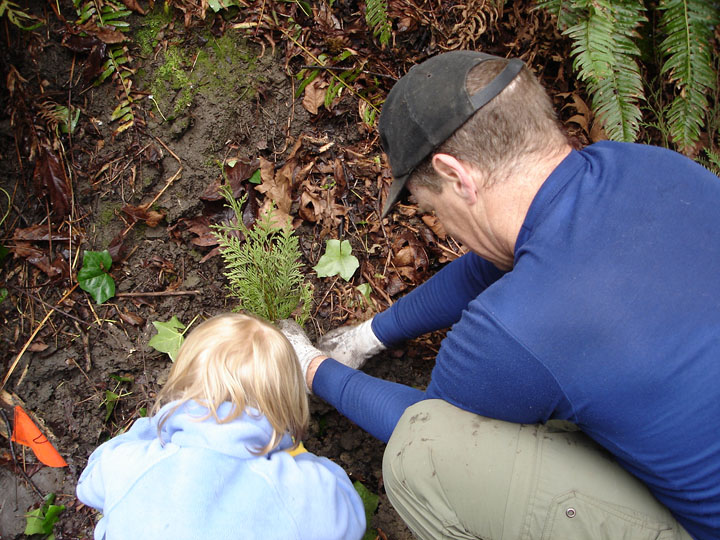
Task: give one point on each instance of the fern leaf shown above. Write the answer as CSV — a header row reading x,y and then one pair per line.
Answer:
x,y
688,27
376,16
605,55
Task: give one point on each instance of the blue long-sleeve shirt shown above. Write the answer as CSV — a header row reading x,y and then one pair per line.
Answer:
x,y
610,318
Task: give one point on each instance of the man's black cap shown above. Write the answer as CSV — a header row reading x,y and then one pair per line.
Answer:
x,y
427,105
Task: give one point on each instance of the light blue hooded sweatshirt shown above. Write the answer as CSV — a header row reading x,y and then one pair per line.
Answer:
x,y
201,482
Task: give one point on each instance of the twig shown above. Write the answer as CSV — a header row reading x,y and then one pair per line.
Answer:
x,y
155,293
340,68
326,295
170,180
49,306
30,339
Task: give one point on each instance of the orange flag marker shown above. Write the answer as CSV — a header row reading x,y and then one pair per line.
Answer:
x,y
25,432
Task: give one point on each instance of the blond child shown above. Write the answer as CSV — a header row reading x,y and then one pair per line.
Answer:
x,y
219,457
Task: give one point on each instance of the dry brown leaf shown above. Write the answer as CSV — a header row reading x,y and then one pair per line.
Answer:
x,y
131,318
36,233
275,186
106,35
435,226
314,96
280,218
133,5
311,207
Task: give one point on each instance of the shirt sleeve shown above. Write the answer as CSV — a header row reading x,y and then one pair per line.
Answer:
x,y
91,488
480,368
438,303
322,500
373,404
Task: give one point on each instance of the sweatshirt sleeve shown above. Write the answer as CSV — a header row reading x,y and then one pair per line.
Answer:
x,y
322,500
438,303
91,488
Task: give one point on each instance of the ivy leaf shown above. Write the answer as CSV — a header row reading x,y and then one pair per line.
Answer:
x,y
370,503
93,277
43,519
169,338
338,259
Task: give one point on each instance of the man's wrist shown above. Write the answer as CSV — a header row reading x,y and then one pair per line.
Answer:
x,y
312,368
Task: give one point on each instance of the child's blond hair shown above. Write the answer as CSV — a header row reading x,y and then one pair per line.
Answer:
x,y
245,360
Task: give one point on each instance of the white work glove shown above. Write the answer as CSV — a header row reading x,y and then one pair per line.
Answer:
x,y
351,345
304,349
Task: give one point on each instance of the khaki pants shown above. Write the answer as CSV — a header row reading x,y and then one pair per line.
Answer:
x,y
453,474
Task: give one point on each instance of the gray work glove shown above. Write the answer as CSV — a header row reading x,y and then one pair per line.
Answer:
x,y
351,345
301,343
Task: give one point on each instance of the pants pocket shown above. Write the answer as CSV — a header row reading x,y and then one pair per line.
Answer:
x,y
574,516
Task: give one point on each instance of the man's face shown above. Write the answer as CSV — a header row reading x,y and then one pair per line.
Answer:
x,y
444,208
467,222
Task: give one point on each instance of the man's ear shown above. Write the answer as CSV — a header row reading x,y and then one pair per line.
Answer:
x,y
458,175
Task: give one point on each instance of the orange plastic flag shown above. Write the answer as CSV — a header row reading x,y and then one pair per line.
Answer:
x,y
27,433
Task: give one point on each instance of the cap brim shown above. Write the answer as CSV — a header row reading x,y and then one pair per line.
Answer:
x,y
396,189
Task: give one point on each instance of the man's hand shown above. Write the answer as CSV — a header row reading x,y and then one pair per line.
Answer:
x,y
351,345
304,349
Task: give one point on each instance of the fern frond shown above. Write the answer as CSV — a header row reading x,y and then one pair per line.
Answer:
x,y
376,16
605,57
19,17
688,26
711,161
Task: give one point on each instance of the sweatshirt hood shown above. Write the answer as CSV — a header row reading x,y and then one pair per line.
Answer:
x,y
192,425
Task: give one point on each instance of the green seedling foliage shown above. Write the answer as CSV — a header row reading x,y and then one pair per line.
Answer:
x,y
43,519
370,503
263,269
3,294
337,260
93,277
169,337
113,396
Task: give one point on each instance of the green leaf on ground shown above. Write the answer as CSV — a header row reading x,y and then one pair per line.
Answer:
x,y
93,277
338,259
364,289
111,399
169,337
370,502
255,178
43,519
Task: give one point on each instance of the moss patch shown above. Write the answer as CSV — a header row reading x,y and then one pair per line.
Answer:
x,y
152,23
222,68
